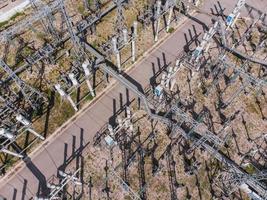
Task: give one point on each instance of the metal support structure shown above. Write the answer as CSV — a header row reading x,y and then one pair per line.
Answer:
x,y
204,44
63,94
71,81
231,19
257,83
232,180
124,185
206,140
25,122
31,95
78,49
120,24
12,130
206,145
47,22
55,189
117,53
170,4
157,18
168,81
87,75
213,139
134,38
10,32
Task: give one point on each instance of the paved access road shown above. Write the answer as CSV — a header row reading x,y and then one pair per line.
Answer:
x,y
31,177
10,8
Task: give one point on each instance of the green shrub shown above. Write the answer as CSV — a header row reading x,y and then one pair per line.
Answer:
x,y
16,15
3,23
171,30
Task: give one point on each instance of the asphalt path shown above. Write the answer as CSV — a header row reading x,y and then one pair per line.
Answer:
x,y
10,8
31,177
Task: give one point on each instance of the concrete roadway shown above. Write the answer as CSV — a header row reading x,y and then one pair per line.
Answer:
x,y
10,8
29,178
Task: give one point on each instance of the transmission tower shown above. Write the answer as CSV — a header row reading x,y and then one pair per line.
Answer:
x,y
120,20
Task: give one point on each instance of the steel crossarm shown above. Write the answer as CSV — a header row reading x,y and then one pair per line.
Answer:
x,y
228,64
25,89
40,14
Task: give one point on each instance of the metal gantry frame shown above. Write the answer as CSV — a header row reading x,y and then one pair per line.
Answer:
x,y
256,83
16,121
124,185
204,45
121,40
56,188
14,125
48,20
207,140
118,136
120,19
153,13
13,129
223,63
46,51
163,91
70,81
231,19
216,141
10,32
229,180
161,10
207,143
31,95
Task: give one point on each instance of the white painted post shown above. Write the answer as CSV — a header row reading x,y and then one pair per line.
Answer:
x,y
173,82
236,17
133,50
73,79
11,153
177,64
134,41
117,52
125,36
110,129
90,87
135,24
128,113
158,20
23,120
7,134
35,133
131,128
169,18
27,123
119,121
87,75
63,94
72,102
163,77
170,70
